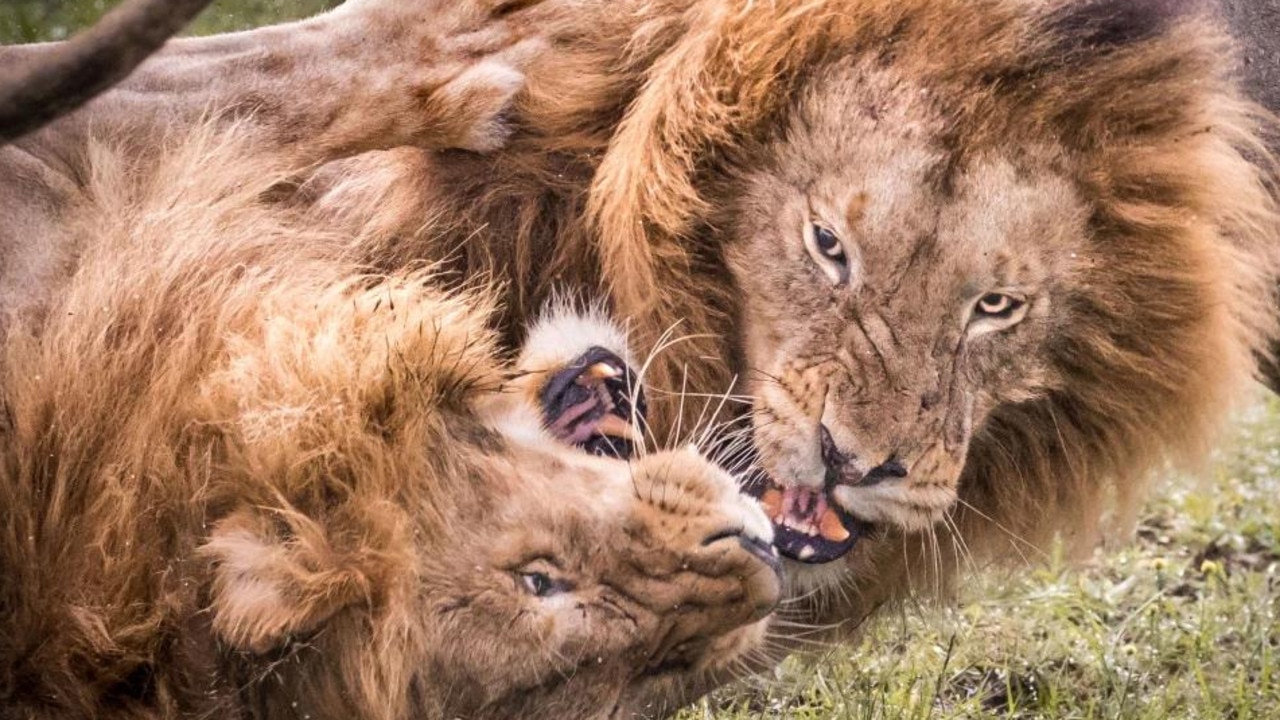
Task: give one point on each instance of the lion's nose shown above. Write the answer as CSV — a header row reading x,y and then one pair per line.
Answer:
x,y
890,469
763,585
841,465
758,547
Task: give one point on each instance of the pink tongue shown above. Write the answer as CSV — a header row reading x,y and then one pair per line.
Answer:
x,y
563,426
803,505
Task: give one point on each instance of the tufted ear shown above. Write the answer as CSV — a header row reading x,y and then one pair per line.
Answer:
x,y
1099,25
276,574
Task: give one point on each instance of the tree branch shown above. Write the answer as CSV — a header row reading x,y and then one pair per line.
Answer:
x,y
46,87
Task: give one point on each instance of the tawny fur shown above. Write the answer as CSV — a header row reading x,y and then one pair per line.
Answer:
x,y
643,131
655,137
240,478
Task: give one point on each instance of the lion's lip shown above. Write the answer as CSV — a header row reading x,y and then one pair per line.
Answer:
x,y
809,526
590,403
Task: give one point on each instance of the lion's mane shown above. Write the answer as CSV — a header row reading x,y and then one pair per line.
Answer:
x,y
632,131
241,477
118,448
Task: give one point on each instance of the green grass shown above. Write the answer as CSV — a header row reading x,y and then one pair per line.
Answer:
x,y
1183,622
34,20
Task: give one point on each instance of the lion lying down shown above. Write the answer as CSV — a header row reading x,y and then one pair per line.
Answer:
x,y
239,480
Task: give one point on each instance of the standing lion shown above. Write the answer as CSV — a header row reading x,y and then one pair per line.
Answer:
x,y
978,266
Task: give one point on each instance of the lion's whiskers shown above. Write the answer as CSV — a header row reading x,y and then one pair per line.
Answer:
x,y
1018,542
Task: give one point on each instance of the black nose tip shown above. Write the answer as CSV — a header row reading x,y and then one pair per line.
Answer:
x,y
890,469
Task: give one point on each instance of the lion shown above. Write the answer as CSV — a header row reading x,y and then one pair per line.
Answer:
x,y
240,478
975,268
978,269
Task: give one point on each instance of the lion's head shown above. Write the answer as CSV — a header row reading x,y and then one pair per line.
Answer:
x,y
241,477
551,586
989,261
895,294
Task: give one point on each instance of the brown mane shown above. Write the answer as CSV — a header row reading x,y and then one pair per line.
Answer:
x,y
630,145
636,125
239,477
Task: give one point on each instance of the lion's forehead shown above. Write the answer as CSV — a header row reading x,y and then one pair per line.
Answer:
x,y
881,161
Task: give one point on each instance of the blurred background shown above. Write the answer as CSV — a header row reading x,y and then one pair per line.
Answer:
x,y
35,20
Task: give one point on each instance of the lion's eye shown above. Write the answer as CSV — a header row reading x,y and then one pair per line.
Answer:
x,y
998,306
542,585
827,250
827,243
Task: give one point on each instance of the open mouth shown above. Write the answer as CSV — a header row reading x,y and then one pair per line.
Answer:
x,y
808,525
595,404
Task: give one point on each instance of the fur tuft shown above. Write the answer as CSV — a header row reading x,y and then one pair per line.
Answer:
x,y
565,330
1096,25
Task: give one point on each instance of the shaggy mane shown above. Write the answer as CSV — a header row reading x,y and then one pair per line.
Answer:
x,y
184,369
631,128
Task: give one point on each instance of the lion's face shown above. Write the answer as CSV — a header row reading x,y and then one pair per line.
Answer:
x,y
890,301
467,555
535,580
577,576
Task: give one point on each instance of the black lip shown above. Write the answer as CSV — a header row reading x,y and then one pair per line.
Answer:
x,y
762,550
563,391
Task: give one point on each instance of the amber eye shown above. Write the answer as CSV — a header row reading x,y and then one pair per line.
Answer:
x,y
541,584
998,306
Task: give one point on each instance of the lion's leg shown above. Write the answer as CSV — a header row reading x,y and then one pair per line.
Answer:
x,y
372,74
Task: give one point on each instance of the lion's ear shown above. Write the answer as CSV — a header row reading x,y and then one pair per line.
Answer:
x,y
276,575
470,111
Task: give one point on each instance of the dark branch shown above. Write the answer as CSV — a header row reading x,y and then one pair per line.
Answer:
x,y
48,86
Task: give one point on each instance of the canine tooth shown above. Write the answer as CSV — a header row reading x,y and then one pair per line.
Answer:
x,y
806,552
771,500
831,527
614,426
602,371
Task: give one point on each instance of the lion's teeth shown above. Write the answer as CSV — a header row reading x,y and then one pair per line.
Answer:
x,y
772,503
806,552
789,500
602,371
614,426
831,527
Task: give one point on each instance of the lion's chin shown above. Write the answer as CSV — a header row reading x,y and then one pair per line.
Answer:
x,y
808,525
